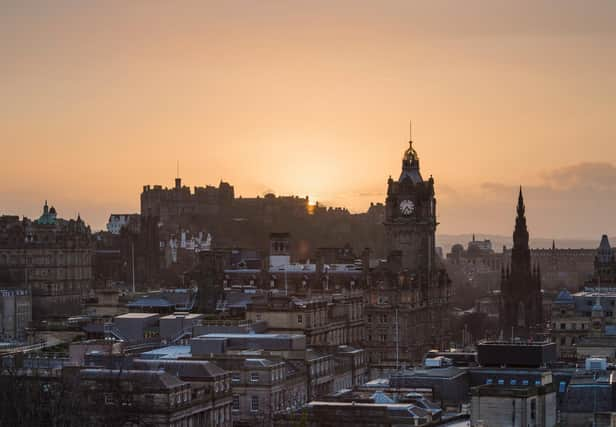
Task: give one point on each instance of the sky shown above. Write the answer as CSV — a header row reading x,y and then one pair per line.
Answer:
x,y
314,98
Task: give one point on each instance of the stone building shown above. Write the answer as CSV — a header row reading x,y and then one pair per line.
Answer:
x,y
204,375
334,414
326,320
407,296
50,256
118,221
559,267
150,397
521,309
270,373
15,314
493,405
583,323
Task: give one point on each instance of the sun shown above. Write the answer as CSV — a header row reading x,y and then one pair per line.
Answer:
x,y
312,201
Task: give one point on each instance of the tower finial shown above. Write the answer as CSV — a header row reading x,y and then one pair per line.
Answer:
x,y
178,169
410,154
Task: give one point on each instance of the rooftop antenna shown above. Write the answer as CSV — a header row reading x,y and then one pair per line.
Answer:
x,y
178,169
410,130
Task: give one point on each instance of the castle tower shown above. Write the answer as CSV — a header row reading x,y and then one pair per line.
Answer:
x,y
521,310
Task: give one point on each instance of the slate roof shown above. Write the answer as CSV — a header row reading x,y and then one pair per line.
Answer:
x,y
187,370
148,381
564,297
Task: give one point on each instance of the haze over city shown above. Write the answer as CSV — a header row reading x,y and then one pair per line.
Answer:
x,y
314,98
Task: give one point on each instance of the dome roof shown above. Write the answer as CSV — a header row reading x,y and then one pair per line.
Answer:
x,y
410,154
564,297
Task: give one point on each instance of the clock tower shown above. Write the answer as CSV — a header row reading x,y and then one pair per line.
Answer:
x,y
410,219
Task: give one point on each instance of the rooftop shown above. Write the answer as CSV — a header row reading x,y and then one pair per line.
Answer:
x,y
148,380
448,372
187,316
201,369
253,336
137,316
169,352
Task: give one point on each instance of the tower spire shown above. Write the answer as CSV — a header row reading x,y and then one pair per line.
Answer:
x,y
521,207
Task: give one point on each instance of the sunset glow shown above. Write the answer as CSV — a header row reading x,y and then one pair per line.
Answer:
x,y
312,98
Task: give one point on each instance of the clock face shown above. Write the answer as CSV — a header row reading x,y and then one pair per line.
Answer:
x,y
407,207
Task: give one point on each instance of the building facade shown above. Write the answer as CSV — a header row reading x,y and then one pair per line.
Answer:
x,y
118,221
50,256
583,323
15,314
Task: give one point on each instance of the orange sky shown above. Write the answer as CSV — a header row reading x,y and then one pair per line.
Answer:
x,y
314,97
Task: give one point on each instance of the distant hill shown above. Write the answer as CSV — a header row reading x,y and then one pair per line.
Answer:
x,y
446,241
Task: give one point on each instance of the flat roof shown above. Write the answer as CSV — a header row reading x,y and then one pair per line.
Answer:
x,y
263,336
189,316
136,315
368,405
169,352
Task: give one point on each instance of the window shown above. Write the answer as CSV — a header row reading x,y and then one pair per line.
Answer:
x,y
513,382
533,409
563,341
236,402
489,381
254,377
235,377
537,382
300,319
562,386
524,382
563,326
501,382
108,399
254,403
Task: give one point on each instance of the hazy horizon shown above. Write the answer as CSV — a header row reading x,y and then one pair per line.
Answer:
x,y
314,98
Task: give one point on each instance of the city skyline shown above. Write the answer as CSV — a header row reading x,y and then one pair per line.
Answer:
x,y
315,99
